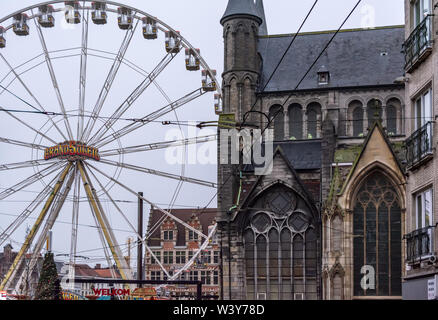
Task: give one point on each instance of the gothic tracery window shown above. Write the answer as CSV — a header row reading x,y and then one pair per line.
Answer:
x,y
281,248
377,237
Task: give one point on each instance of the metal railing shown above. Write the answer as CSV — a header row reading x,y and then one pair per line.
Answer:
x,y
418,42
419,144
419,244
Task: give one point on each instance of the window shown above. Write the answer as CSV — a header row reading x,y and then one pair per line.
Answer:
x,y
168,257
423,109
377,236
216,257
193,236
295,122
420,241
280,241
190,254
423,217
214,238
277,116
215,277
358,121
168,235
157,255
206,257
193,275
421,8
391,120
155,275
205,277
313,114
180,257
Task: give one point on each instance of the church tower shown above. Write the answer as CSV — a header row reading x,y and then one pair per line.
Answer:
x,y
243,22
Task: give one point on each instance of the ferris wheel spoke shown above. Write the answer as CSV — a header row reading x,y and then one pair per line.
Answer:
x,y
75,218
159,173
27,212
115,205
10,275
17,76
54,213
83,72
151,117
149,202
25,164
133,96
54,80
104,224
23,144
109,82
28,126
158,146
30,180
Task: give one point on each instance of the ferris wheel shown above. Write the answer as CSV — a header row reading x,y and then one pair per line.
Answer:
x,y
76,131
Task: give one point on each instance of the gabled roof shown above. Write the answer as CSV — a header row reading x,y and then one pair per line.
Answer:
x,y
377,149
355,58
296,182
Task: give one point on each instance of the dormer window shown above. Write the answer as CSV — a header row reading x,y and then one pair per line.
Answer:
x,y
323,76
168,235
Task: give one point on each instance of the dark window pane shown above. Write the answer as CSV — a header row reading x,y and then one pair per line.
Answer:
x,y
358,121
295,122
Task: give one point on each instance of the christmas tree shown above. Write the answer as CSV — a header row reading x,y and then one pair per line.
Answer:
x,y
48,285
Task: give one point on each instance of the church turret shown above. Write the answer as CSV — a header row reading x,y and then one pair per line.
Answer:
x,y
243,22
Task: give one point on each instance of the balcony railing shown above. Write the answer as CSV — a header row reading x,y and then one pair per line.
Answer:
x,y
418,44
419,244
419,145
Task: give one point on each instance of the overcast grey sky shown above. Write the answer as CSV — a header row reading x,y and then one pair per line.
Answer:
x,y
198,21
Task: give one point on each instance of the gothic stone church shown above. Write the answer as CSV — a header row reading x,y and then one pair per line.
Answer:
x,y
334,202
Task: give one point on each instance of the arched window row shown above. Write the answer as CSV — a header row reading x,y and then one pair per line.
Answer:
x,y
281,248
295,123
361,117
298,123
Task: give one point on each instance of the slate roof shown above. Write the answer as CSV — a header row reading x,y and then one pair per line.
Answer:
x,y
355,58
302,154
205,216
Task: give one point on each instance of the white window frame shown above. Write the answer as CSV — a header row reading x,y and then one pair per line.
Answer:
x,y
425,9
423,109
426,196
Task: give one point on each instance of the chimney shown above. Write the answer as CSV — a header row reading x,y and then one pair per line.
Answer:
x,y
98,266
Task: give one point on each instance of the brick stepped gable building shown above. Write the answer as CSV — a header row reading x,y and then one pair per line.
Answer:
x,y
174,245
335,200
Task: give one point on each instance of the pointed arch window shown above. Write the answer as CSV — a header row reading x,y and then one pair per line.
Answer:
x,y
281,248
377,236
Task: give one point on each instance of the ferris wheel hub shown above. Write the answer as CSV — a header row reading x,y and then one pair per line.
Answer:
x,y
72,151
